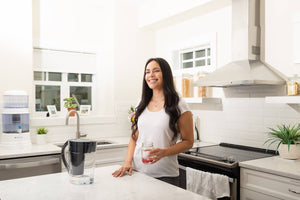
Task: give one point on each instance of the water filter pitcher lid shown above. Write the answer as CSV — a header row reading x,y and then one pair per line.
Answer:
x,y
82,145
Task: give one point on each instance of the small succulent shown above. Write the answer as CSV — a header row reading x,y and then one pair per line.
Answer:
x,y
42,130
284,135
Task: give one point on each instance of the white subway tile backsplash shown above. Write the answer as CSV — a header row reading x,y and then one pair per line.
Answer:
x,y
245,120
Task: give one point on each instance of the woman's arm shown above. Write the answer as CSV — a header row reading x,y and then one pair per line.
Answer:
x,y
127,166
185,124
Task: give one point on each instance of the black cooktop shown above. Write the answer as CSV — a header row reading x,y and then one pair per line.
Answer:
x,y
230,153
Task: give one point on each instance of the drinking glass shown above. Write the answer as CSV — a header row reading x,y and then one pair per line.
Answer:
x,y
146,147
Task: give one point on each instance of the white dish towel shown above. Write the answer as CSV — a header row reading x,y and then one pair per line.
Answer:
x,y
207,184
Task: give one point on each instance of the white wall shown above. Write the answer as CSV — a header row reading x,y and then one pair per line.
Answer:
x,y
83,26
110,30
156,12
279,35
15,47
243,116
133,47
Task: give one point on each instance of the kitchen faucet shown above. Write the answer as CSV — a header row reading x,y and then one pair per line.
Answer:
x,y
78,135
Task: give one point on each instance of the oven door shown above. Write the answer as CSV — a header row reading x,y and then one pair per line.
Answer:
x,y
233,181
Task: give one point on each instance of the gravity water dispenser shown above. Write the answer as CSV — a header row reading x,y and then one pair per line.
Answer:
x,y
15,119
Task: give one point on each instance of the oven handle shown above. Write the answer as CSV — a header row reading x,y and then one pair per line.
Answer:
x,y
184,168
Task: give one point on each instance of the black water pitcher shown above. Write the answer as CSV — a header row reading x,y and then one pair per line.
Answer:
x,y
79,160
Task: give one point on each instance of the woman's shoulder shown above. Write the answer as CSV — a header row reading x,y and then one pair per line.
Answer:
x,y
183,106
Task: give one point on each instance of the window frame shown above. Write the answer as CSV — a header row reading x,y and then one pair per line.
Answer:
x,y
64,90
203,69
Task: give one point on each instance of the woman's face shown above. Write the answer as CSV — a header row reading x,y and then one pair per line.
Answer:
x,y
153,76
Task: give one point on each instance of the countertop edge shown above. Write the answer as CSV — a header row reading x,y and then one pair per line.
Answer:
x,y
263,163
8,152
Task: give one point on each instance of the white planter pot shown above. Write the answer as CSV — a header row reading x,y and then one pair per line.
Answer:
x,y
41,138
293,153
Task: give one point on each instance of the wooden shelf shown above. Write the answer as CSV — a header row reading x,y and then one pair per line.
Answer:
x,y
202,100
283,99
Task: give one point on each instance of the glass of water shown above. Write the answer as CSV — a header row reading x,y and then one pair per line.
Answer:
x,y
146,147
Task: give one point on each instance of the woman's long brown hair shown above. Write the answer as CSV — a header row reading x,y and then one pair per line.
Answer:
x,y
170,94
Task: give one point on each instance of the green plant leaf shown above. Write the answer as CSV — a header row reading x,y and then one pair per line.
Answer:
x,y
70,102
284,134
42,130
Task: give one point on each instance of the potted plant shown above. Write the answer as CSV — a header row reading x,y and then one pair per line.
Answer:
x,y
288,139
41,137
70,104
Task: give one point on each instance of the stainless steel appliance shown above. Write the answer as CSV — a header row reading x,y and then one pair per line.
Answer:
x,y
29,166
247,43
220,159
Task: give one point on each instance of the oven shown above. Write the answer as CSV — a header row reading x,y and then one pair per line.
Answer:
x,y
220,159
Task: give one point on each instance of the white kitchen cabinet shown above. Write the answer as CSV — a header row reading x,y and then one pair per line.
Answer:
x,y
259,185
252,195
110,156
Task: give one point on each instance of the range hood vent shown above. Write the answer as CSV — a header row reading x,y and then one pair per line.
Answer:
x,y
246,68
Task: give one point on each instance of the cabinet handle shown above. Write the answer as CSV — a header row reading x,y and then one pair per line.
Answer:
x,y
293,191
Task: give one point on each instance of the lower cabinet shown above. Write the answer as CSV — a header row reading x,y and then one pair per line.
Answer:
x,y
252,195
260,185
108,156
113,156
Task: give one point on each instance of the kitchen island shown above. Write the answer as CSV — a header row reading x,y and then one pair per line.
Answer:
x,y
57,186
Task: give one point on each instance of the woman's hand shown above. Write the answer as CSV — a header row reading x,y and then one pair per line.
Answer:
x,y
156,154
120,172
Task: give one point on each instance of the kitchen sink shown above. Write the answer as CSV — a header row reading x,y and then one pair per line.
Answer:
x,y
98,142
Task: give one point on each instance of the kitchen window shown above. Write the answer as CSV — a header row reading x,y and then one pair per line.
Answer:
x,y
52,87
196,59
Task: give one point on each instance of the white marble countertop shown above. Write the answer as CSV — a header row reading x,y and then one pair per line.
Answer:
x,y
35,149
44,149
275,165
28,150
57,186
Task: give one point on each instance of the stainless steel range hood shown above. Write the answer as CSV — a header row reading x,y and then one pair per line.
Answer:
x,y
246,68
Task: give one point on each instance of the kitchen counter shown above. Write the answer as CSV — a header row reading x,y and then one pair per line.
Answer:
x,y
57,186
29,150
45,149
275,165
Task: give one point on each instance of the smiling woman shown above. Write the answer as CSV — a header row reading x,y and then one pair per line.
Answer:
x,y
159,118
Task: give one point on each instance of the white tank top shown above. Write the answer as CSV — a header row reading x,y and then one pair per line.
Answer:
x,y
154,127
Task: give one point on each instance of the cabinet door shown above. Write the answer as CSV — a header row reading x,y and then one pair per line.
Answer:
x,y
113,156
251,195
270,184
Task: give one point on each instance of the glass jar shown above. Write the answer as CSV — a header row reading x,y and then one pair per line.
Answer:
x,y
201,90
187,85
146,147
292,87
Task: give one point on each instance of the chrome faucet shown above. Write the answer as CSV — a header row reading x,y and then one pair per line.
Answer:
x,y
78,135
